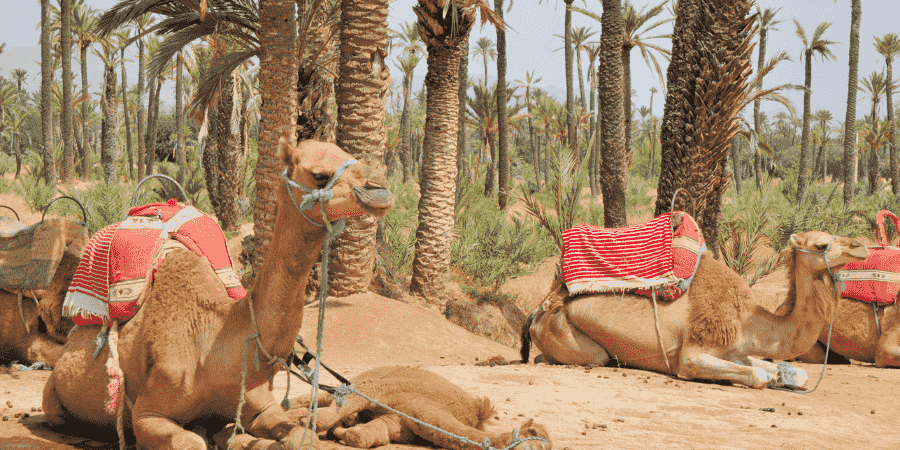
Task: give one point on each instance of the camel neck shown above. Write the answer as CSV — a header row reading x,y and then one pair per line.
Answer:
x,y
279,292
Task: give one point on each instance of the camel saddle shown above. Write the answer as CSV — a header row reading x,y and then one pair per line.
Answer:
x,y
877,279
655,258
119,262
30,254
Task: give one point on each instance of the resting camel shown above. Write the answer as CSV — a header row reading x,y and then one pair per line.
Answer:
x,y
43,337
424,395
714,331
854,334
182,353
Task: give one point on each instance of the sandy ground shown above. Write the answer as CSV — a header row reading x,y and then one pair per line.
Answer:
x,y
855,406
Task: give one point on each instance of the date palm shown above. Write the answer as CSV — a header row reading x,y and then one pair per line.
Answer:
x,y
122,37
614,153
19,76
502,125
442,25
812,46
485,49
13,126
593,52
767,23
849,138
709,72
528,84
68,136
823,116
888,46
84,19
50,171
410,56
109,154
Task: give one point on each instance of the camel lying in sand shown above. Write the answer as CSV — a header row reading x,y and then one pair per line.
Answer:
x,y
43,337
714,331
419,393
182,353
854,334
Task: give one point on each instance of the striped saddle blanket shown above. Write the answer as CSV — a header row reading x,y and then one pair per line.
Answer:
x,y
659,256
119,261
877,279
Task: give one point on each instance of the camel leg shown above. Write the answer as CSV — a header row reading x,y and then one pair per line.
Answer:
x,y
436,415
784,374
697,363
887,352
54,413
380,431
561,343
270,426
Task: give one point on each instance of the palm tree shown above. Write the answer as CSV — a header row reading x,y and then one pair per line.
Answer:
x,y
180,156
408,60
704,98
141,23
441,29
484,48
580,37
767,23
109,157
594,159
50,173
13,127
122,41
652,135
875,85
461,146
813,46
19,76
502,100
850,138
83,27
889,47
363,82
528,84
634,22
614,172
68,156
156,80
823,116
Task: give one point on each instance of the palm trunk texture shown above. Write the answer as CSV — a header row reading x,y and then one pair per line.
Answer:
x,y
850,117
68,138
50,174
613,171
502,126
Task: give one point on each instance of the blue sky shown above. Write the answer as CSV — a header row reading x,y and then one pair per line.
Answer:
x,y
531,45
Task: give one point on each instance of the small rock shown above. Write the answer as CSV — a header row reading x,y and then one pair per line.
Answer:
x,y
615,370
767,409
594,426
789,413
677,385
25,415
618,420
33,409
773,426
587,426
603,426
583,433
782,403
493,364
606,378
9,404
521,415
799,413
40,409
497,417
645,381
17,415
624,374
530,383
873,411
5,419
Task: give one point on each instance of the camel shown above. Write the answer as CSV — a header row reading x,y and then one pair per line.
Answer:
x,y
36,331
854,334
183,353
713,332
419,393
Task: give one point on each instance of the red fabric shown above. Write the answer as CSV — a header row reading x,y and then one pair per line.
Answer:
x,y
114,271
877,279
635,258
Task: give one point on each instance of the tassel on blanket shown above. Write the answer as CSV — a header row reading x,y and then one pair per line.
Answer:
x,y
116,386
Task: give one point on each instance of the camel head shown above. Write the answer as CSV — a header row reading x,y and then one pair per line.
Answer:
x,y
531,429
311,167
819,251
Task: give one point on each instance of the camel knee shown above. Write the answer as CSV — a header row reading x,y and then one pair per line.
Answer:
x,y
887,356
370,435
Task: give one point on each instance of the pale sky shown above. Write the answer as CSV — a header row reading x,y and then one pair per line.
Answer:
x,y
531,45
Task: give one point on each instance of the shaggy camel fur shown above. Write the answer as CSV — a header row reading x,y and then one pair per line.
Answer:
x,y
854,334
419,393
182,353
712,332
42,340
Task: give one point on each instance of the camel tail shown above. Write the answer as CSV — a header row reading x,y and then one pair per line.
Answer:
x,y
525,351
484,411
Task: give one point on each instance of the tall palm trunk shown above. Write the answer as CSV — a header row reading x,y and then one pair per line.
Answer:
x,y
83,148
180,156
152,125
461,148
850,118
802,176
222,160
363,82
316,73
872,169
757,126
570,83
592,176
50,174
278,75
892,139
502,126
711,49
626,80
535,154
405,138
108,154
128,148
68,155
443,41
142,145
614,174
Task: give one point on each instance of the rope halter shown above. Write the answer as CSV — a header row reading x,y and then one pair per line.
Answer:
x,y
824,254
314,196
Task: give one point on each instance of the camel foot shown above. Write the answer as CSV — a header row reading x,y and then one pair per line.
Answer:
x,y
790,377
245,441
54,413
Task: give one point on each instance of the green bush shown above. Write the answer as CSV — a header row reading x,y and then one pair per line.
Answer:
x,y
399,226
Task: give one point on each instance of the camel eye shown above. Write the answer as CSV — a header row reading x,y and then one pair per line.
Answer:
x,y
821,247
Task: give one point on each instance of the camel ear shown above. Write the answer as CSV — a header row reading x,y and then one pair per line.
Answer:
x,y
796,241
528,423
284,151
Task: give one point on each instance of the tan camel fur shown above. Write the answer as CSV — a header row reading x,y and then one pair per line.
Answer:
x,y
854,334
182,353
45,335
419,393
714,332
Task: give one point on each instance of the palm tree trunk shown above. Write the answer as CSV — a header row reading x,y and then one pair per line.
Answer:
x,y
363,82
50,174
804,139
180,156
535,153
874,173
461,148
892,139
405,137
614,174
592,176
757,126
128,148
108,156
626,78
68,156
583,101
570,83
152,126
222,159
141,134
734,153
83,149
850,118
315,83
502,126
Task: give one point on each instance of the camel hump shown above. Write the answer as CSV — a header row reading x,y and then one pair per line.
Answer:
x,y
484,411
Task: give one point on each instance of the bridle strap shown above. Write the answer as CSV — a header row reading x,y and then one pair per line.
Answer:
x,y
313,196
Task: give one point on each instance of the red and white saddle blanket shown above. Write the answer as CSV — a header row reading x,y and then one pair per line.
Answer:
x,y
877,279
119,261
639,258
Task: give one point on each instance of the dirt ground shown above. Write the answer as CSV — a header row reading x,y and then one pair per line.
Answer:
x,y
855,406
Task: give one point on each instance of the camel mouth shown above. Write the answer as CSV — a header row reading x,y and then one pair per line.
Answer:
x,y
374,200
